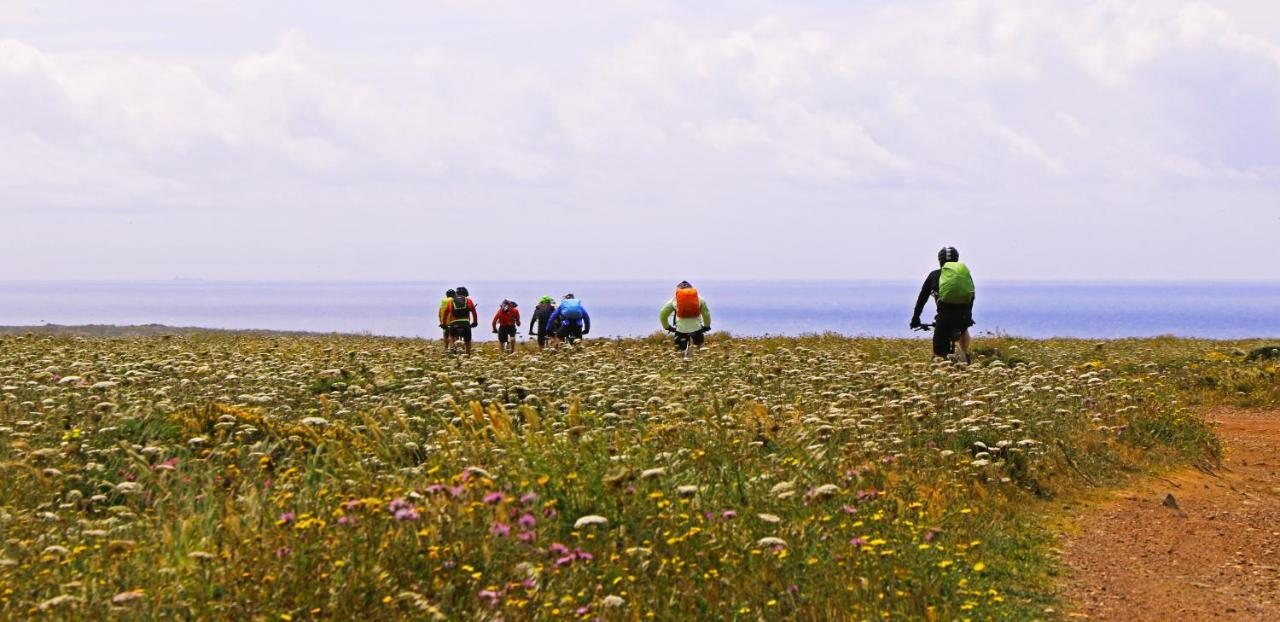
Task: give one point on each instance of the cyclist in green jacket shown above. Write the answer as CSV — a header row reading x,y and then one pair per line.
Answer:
x,y
693,317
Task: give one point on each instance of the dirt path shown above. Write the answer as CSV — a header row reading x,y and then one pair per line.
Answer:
x,y
1214,556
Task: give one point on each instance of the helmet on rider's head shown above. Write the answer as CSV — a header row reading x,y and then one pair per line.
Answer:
x,y
546,300
448,293
568,296
948,254
462,291
683,285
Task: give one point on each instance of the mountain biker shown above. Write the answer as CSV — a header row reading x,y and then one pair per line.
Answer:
x,y
444,305
505,322
693,318
541,314
951,287
570,320
461,317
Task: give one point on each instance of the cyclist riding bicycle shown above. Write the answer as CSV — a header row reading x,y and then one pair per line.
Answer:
x,y
693,317
541,315
444,307
951,287
460,317
570,320
505,322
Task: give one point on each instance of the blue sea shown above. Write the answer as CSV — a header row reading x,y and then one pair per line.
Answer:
x,y
1088,310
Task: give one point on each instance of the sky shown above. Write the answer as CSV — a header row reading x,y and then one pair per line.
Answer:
x,y
630,139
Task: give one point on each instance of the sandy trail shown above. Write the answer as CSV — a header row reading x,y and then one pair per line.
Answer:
x,y
1215,556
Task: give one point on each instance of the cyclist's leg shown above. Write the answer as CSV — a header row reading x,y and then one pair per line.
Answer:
x,y
964,343
941,339
682,341
698,339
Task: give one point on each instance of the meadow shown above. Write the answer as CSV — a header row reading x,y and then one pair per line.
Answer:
x,y
288,477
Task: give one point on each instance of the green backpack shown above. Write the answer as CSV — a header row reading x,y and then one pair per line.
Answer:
x,y
955,284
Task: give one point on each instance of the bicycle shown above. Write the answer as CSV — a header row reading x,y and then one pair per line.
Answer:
x,y
685,341
955,356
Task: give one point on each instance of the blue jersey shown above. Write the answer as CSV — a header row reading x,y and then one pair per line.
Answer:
x,y
585,322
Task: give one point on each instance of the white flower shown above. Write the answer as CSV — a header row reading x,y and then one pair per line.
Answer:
x,y
770,541
825,490
128,488
769,518
315,421
590,519
612,601
652,473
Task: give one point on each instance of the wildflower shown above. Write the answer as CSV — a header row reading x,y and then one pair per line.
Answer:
x,y
528,497
728,514
285,518
557,549
396,505
124,597
407,514
526,521
500,530
128,488
526,536
589,520
612,601
490,596
771,542
823,491
434,488
858,542
494,498
200,555
769,518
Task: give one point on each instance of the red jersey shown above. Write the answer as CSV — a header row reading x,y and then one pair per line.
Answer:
x,y
510,317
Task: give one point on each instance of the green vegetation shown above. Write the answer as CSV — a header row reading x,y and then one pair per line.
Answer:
x,y
249,476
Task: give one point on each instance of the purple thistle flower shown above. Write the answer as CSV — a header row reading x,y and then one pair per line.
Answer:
x,y
557,549
526,521
500,530
434,488
407,514
528,497
564,561
729,514
526,536
287,517
396,505
494,498
858,543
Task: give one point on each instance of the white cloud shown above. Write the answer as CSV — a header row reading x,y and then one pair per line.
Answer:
x,y
642,112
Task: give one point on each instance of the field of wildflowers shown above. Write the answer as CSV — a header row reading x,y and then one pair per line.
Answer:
x,y
331,477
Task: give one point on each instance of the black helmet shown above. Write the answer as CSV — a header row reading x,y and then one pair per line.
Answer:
x,y
448,293
568,296
462,291
948,254
683,285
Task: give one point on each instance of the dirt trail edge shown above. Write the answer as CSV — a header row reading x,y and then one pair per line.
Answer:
x,y
1211,552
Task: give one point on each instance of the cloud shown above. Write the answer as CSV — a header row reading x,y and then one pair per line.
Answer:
x,y
643,112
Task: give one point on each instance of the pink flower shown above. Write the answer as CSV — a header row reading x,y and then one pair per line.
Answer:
x,y
407,514
500,530
457,491
528,497
564,561
858,543
494,498
526,521
849,509
283,552
557,549
490,596
526,536
434,488
287,517
397,504
346,520
728,514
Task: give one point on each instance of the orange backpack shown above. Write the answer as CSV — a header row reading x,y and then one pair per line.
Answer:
x,y
687,303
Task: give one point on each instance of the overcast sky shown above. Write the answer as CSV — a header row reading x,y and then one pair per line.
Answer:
x,y
477,139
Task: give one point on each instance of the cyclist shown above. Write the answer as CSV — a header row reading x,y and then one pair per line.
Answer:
x,y
693,318
505,322
461,317
951,287
444,306
541,315
570,320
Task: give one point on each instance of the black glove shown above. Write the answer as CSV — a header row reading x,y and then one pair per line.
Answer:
x,y
475,324
586,331
671,329
443,327
915,323
706,329
495,331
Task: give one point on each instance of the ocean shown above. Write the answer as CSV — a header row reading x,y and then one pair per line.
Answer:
x,y
1086,310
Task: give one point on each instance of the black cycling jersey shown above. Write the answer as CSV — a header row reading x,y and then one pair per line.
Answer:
x,y
541,314
947,312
